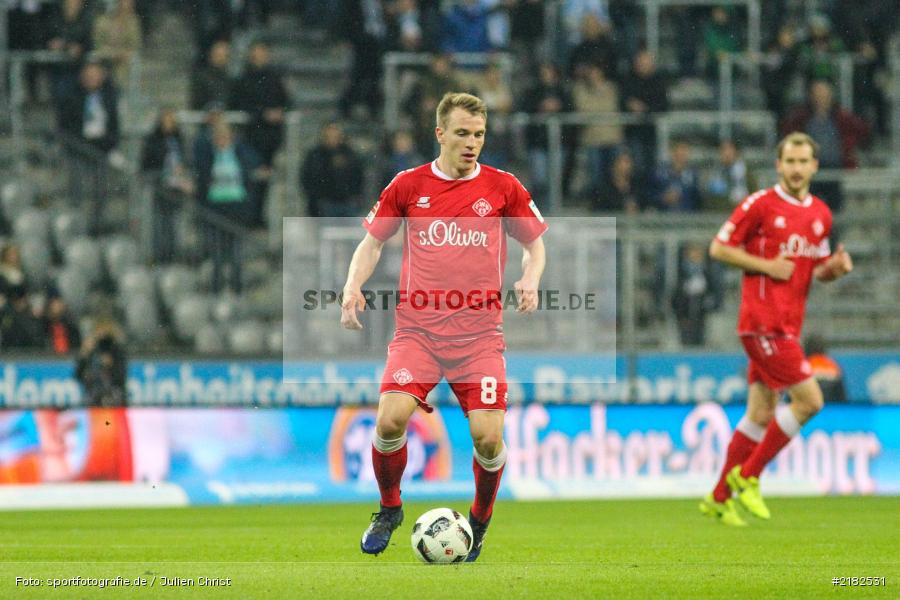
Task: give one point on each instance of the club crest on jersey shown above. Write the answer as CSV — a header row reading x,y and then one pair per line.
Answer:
x,y
780,222
482,207
817,227
403,376
423,202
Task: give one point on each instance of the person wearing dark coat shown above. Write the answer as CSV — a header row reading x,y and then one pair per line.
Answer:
x,y
165,161
102,367
211,82
643,93
260,92
91,112
332,176
228,187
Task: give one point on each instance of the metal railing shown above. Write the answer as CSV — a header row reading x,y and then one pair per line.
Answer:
x,y
652,11
394,62
668,125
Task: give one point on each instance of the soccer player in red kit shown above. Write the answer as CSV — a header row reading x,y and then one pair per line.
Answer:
x,y
779,237
456,214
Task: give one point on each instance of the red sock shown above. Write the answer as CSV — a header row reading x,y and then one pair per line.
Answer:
x,y
739,449
486,485
771,444
388,472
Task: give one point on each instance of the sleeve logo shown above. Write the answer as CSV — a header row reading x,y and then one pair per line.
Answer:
x,y
371,216
725,232
537,213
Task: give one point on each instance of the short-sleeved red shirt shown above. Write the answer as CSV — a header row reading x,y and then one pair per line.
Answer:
x,y
766,224
454,247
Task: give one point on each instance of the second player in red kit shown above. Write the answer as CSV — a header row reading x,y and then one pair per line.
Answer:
x,y
455,215
779,237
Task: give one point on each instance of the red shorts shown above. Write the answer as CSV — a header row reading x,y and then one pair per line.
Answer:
x,y
475,369
776,362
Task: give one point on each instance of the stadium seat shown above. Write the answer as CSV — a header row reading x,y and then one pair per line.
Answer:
x,y
83,253
141,318
32,225
247,338
121,254
209,340
66,226
176,282
74,289
190,314
137,282
16,197
36,261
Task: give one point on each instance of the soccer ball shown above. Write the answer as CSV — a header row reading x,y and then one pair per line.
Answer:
x,y
442,535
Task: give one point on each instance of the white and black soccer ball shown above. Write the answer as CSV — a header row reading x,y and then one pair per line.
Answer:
x,y
442,535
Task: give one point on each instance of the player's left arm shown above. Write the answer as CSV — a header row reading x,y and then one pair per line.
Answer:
x,y
534,257
835,266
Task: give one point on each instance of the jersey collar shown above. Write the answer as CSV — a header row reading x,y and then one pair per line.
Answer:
x,y
788,198
442,175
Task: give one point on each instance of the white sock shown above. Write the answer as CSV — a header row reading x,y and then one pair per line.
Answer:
x,y
492,464
388,446
786,420
752,430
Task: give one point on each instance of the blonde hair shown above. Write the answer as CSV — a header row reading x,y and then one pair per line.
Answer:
x,y
471,104
798,138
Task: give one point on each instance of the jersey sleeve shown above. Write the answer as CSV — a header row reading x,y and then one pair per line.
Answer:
x,y
745,219
385,218
523,220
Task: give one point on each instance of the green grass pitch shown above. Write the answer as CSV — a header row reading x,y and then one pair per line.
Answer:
x,y
587,549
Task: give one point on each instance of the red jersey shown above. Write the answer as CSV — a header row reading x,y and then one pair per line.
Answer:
x,y
768,223
454,248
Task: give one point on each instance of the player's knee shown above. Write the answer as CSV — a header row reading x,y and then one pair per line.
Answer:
x,y
390,427
488,444
761,415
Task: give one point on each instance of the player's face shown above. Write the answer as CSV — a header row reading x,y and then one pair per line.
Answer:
x,y
796,168
462,140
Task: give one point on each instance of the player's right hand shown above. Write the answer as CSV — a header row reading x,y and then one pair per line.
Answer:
x,y
781,268
353,301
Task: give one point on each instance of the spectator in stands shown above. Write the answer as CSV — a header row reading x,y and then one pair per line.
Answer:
x,y
730,182
11,274
165,160
228,174
866,27
595,48
465,27
60,329
624,188
20,327
363,26
689,36
498,97
211,82
825,369
213,20
548,97
102,366
698,292
593,93
720,37
574,13
117,39
837,131
28,30
676,184
70,33
405,29
779,66
643,93
332,176
819,55
423,99
260,92
91,112
401,155
527,28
